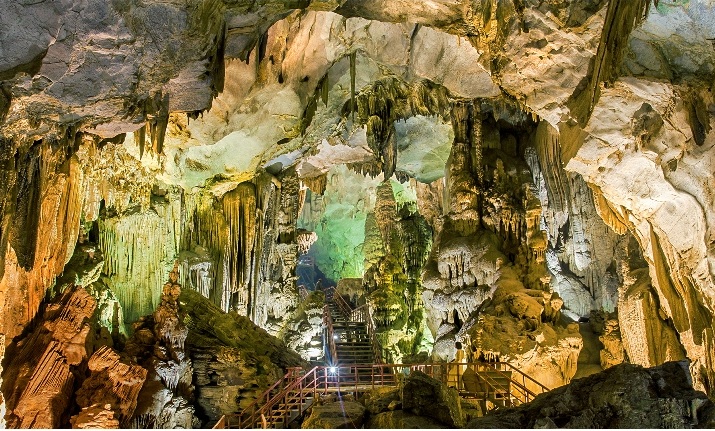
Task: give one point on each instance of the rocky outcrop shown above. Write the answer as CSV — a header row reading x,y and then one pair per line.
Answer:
x,y
303,332
396,248
233,360
39,381
47,379
401,419
582,253
649,147
424,396
159,345
624,396
606,325
513,327
381,400
108,397
336,415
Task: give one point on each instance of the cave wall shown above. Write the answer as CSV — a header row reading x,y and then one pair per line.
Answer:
x,y
668,214
611,102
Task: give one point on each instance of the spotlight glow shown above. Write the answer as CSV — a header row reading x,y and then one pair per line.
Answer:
x,y
333,370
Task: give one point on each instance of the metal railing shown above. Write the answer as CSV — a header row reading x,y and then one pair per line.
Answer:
x,y
358,314
495,385
342,304
329,338
362,314
274,391
494,381
277,408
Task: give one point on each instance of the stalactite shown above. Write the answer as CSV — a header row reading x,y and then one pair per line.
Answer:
x,y
138,250
316,184
368,168
157,113
39,235
461,187
239,208
549,151
27,209
289,207
324,86
427,98
353,106
140,140
205,234
621,19
612,218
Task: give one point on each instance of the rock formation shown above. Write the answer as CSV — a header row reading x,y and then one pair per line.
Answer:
x,y
624,396
304,331
479,166
233,360
40,379
108,397
47,371
159,345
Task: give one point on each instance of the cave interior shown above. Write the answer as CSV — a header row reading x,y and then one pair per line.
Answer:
x,y
186,185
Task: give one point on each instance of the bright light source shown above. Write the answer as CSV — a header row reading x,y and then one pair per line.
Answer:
x,y
335,337
333,370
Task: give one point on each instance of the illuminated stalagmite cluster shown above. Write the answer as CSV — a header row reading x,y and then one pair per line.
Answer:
x,y
531,180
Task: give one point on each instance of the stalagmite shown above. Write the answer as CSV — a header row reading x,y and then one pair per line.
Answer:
x,y
108,396
42,371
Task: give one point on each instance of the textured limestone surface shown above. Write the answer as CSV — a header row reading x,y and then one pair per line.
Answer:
x,y
233,360
108,397
624,396
336,415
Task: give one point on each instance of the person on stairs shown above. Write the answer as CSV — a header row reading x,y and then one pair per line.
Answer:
x,y
456,369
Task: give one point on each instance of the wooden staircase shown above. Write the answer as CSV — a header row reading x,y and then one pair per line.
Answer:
x,y
353,344
354,365
491,384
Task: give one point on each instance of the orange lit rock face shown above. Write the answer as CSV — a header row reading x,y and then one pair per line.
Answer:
x,y
108,396
41,372
41,240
